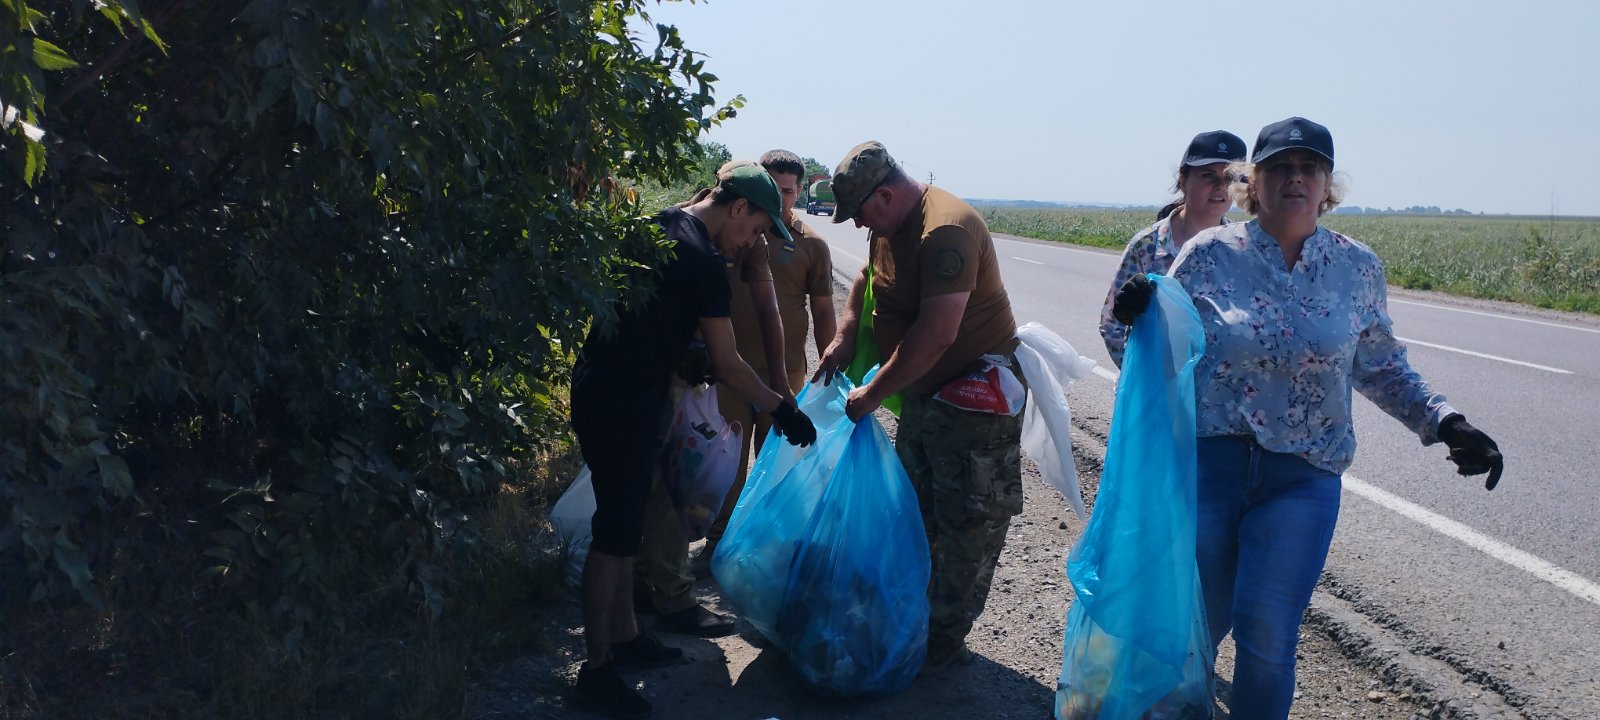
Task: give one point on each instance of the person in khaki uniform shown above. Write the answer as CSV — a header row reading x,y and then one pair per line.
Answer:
x,y
801,273
664,577
940,308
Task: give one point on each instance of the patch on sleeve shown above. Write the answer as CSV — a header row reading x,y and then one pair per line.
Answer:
x,y
947,264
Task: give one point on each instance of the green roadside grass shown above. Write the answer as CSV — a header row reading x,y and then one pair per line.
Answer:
x,y
1544,262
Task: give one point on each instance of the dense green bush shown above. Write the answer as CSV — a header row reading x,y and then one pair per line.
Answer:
x,y
286,284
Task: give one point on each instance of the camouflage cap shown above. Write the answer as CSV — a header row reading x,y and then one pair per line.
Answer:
x,y
858,174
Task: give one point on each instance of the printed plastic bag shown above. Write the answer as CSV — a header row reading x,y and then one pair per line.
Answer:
x,y
700,459
1136,642
854,618
572,517
752,561
993,389
1051,364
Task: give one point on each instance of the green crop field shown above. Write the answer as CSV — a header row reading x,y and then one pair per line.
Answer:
x,y
1553,263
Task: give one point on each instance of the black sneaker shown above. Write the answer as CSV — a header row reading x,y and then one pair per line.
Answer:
x,y
604,691
697,621
643,653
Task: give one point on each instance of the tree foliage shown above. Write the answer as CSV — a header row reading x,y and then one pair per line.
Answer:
x,y
815,168
286,284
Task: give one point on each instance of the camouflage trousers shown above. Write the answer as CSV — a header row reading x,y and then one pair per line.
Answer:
x,y
663,568
967,470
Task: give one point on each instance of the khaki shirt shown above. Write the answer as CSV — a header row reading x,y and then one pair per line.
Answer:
x,y
752,265
798,272
943,247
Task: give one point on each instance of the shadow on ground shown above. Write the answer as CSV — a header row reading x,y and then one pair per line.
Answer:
x,y
741,678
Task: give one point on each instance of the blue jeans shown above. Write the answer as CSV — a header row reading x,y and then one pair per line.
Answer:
x,y
1265,523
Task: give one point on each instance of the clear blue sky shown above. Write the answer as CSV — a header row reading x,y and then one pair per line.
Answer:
x,y
1486,106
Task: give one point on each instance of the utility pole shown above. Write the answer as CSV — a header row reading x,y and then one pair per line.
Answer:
x,y
930,178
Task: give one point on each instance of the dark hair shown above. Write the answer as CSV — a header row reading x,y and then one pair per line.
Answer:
x,y
1177,187
1183,174
721,195
783,162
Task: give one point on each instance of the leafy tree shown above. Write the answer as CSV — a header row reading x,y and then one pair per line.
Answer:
x,y
287,285
815,168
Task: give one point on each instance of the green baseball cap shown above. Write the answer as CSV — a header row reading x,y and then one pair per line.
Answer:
x,y
752,183
858,174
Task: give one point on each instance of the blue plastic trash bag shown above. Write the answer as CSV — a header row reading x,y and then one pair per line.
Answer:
x,y
752,561
854,618
1136,641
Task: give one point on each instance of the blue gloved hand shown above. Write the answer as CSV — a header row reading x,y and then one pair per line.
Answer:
x,y
1473,451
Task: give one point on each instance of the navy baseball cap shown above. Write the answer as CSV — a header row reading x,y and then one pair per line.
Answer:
x,y
1213,147
1296,133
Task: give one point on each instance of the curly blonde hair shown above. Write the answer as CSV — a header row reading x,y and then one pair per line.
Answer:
x,y
1244,176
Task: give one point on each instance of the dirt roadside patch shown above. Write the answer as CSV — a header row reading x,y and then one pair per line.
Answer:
x,y
1016,644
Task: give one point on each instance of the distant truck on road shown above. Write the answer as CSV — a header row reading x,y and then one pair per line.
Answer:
x,y
819,198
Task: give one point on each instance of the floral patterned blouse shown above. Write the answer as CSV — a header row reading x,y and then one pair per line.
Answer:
x,y
1152,250
1285,347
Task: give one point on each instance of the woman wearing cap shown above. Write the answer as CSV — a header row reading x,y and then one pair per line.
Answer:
x,y
1296,317
1203,184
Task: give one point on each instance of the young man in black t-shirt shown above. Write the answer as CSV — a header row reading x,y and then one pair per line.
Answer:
x,y
619,393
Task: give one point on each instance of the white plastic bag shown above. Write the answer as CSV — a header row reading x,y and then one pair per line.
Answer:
x,y
1050,364
700,459
571,517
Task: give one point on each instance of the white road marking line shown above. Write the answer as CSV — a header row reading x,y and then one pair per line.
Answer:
x,y
1063,246
1486,356
1036,262
1526,562
1495,315
860,261
1560,577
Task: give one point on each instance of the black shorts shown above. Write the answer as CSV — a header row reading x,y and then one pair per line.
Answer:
x,y
620,449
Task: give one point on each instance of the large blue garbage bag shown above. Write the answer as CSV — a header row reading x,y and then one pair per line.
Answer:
x,y
752,561
1136,641
854,618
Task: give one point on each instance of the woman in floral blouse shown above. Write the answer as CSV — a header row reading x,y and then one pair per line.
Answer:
x,y
1203,184
1296,316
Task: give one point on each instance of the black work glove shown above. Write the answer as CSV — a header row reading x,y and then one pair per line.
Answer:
x,y
793,425
695,365
1132,298
1471,450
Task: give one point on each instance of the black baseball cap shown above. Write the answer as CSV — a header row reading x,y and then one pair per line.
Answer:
x,y
1296,133
1213,147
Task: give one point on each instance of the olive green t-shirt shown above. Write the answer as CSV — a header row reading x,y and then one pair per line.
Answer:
x,y
942,247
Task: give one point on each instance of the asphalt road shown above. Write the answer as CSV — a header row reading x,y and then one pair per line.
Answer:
x,y
1499,587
